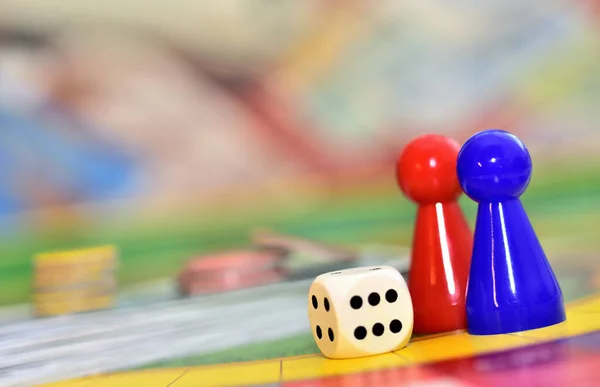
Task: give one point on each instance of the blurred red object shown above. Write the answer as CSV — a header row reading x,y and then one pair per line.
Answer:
x,y
232,270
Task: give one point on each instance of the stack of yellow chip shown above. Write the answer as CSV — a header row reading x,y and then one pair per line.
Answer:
x,y
74,281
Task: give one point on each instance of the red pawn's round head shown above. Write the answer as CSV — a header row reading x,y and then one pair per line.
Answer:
x,y
426,170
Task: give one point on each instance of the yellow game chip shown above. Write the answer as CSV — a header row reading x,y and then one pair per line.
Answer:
x,y
74,281
73,306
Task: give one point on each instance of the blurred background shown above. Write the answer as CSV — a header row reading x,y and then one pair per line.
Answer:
x,y
251,145
175,128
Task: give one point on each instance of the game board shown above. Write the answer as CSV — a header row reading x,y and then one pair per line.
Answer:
x,y
558,355
46,350
565,354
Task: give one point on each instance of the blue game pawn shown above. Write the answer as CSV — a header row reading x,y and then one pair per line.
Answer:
x,y
511,285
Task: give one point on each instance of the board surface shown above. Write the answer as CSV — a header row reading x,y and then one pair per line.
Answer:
x,y
563,354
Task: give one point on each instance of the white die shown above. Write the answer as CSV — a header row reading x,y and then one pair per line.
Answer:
x,y
360,312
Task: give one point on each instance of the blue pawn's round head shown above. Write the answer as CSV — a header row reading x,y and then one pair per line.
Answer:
x,y
494,165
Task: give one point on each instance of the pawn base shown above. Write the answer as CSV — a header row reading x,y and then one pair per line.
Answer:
x,y
440,319
516,319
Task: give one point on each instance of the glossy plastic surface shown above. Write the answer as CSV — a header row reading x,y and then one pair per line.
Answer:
x,y
426,170
442,239
511,284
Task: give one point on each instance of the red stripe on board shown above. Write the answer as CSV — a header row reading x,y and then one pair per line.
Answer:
x,y
391,377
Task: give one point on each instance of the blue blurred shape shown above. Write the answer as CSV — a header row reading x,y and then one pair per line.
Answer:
x,y
511,285
53,150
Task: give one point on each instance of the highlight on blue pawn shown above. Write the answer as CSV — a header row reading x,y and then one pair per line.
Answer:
x,y
511,285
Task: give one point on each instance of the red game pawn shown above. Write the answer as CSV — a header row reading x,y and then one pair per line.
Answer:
x,y
442,241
